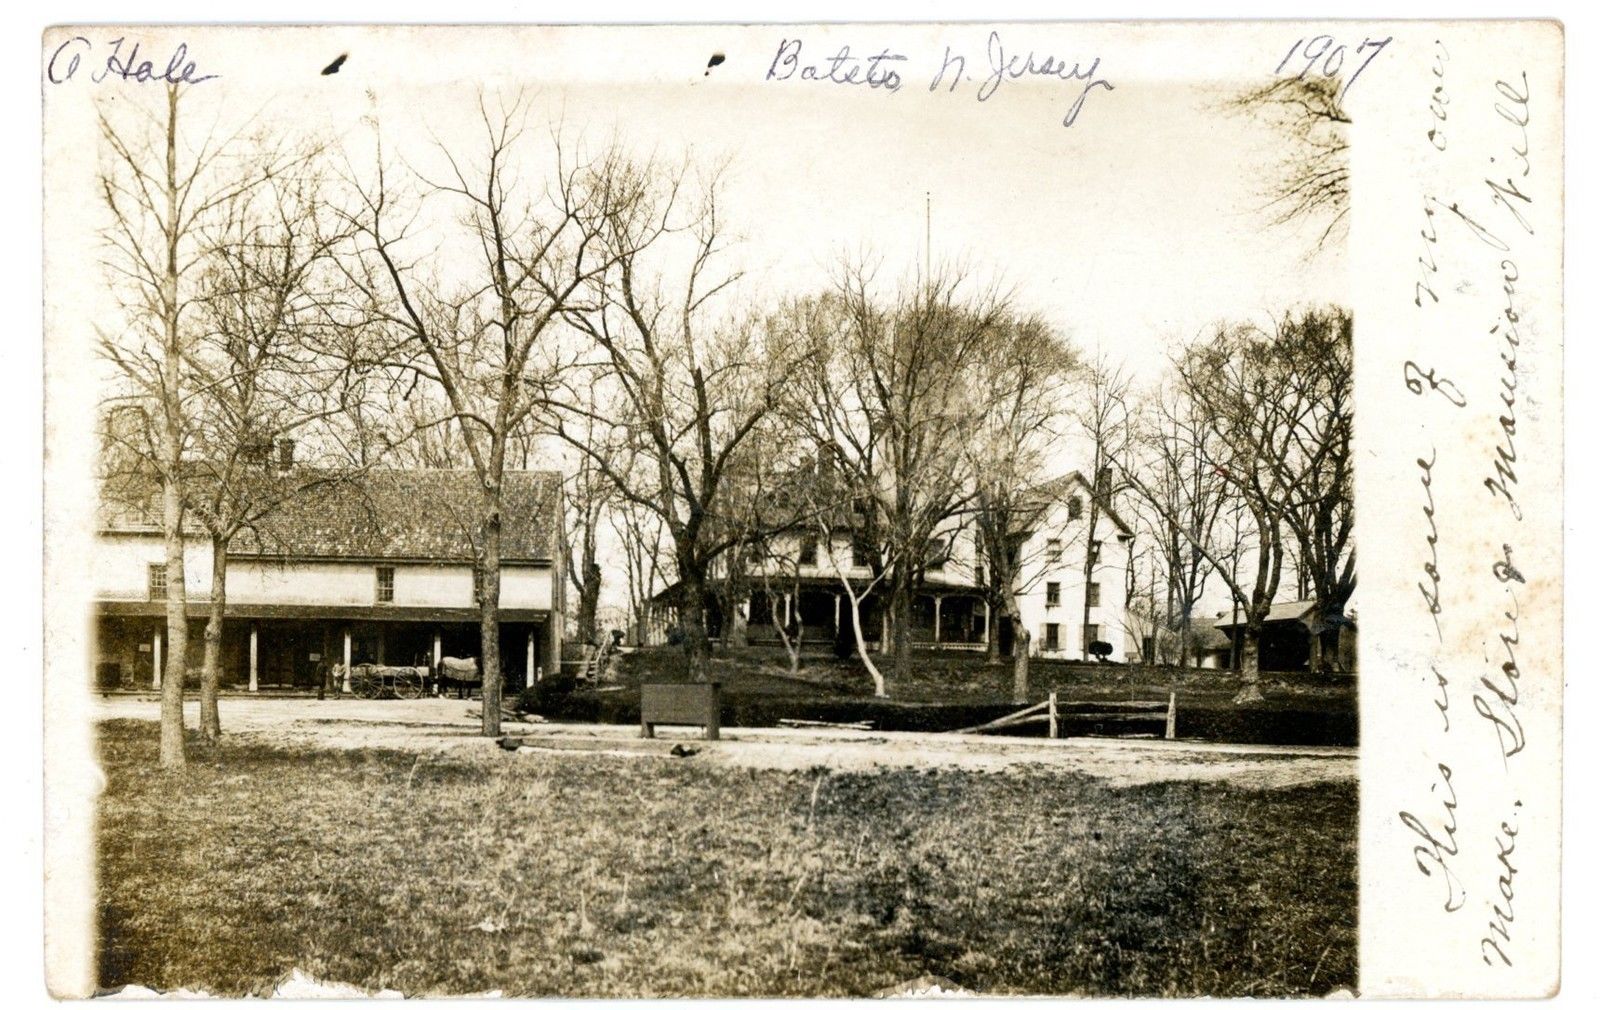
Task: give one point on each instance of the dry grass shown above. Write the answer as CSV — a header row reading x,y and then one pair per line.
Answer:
x,y
583,875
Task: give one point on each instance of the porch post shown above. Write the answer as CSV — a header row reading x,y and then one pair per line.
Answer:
x,y
438,647
936,601
528,677
836,613
786,610
347,661
155,652
253,683
986,620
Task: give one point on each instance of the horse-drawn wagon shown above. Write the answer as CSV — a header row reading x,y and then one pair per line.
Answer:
x,y
370,680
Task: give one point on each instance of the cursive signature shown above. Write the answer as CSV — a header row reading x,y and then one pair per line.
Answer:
x,y
127,66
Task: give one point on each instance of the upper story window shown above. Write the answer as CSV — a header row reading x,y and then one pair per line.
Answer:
x,y
1074,507
1052,550
1094,594
860,557
1052,638
808,550
385,584
1052,594
938,553
978,574
158,582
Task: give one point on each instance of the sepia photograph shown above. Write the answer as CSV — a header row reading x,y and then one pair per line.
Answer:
x,y
764,511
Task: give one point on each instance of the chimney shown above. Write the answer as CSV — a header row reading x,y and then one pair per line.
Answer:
x,y
285,453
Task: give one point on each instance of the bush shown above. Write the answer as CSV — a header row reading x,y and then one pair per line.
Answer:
x,y
549,695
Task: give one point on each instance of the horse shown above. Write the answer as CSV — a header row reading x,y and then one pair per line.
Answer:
x,y
462,673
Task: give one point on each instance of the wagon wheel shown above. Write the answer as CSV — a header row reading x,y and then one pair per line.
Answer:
x,y
366,684
408,685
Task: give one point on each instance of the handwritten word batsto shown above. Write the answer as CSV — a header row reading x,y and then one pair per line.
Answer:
x,y
122,65
886,70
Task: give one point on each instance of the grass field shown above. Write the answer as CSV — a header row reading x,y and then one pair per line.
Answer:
x,y
603,876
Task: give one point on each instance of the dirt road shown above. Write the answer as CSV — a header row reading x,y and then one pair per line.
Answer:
x,y
437,725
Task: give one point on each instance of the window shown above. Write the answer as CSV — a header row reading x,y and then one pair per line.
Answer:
x,y
1052,638
1091,634
808,550
1075,507
385,584
1094,594
978,576
158,582
1052,550
1052,594
860,557
938,551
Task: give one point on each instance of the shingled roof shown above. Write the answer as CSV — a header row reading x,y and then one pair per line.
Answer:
x,y
400,515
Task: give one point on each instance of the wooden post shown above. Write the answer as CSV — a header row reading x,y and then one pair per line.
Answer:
x,y
937,599
438,649
836,627
347,661
1055,729
529,675
254,684
1172,715
986,620
155,653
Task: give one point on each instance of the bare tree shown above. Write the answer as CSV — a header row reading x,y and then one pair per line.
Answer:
x,y
1028,371
483,330
1176,450
1103,419
1277,410
891,397
161,187
1312,184
641,534
688,386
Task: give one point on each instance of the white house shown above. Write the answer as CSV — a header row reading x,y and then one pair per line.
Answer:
x,y
376,569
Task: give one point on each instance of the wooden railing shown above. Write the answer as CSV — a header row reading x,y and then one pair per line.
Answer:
x,y
1052,713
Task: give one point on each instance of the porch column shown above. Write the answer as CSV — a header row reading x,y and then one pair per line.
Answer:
x,y
786,609
347,661
937,599
438,647
155,653
986,620
836,613
530,677
253,684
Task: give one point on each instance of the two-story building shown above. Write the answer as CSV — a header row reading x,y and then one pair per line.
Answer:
x,y
796,578
372,569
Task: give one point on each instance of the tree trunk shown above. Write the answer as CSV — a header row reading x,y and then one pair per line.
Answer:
x,y
1249,665
991,632
900,622
697,647
210,718
1020,640
489,614
588,597
879,688
172,752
